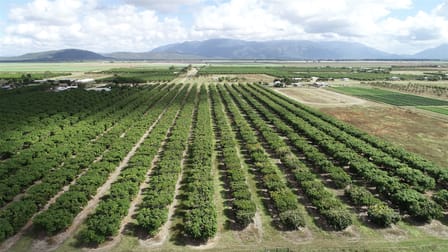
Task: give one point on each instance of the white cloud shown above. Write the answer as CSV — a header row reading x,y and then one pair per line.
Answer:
x,y
140,25
442,9
45,25
368,21
415,32
239,19
296,18
163,5
48,12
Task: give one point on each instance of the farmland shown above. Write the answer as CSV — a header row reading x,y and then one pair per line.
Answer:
x,y
438,90
218,166
18,75
440,110
141,75
390,97
323,72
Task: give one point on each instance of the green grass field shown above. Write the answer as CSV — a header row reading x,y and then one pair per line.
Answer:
x,y
440,110
39,75
389,97
324,72
78,66
143,74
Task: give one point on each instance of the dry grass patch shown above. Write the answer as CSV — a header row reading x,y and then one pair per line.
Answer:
x,y
414,131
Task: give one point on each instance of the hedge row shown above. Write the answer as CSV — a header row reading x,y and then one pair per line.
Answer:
x,y
41,116
414,177
393,188
283,199
69,204
106,220
243,206
334,212
38,195
413,160
312,154
37,162
339,177
199,219
153,211
378,211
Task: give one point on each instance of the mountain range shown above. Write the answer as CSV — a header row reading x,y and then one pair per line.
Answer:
x,y
238,50
57,56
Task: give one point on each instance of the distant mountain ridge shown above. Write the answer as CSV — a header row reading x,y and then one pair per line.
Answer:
x,y
239,50
150,56
278,49
440,52
58,56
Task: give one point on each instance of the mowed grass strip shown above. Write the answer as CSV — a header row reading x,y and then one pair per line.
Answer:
x,y
389,97
440,110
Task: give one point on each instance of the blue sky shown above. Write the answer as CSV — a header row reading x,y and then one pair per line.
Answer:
x,y
420,5
396,26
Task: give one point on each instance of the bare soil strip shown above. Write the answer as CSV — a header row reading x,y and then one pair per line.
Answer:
x,y
190,74
138,200
13,240
161,237
112,243
257,227
102,134
21,195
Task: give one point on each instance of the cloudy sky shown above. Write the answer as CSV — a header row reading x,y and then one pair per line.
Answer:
x,y
396,26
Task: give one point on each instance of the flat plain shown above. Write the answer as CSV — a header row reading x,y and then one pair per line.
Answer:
x,y
217,159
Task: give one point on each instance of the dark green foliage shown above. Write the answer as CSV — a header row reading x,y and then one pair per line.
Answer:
x,y
338,219
292,219
61,134
244,211
6,230
344,144
141,75
200,223
106,220
360,196
441,197
199,220
288,72
58,221
285,200
152,219
382,215
88,236
417,205
243,207
282,197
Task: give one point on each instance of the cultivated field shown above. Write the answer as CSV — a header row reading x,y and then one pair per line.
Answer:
x,y
79,67
321,97
389,97
202,163
440,110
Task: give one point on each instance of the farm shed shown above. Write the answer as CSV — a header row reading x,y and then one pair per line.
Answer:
x,y
106,89
278,83
85,81
320,84
64,88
